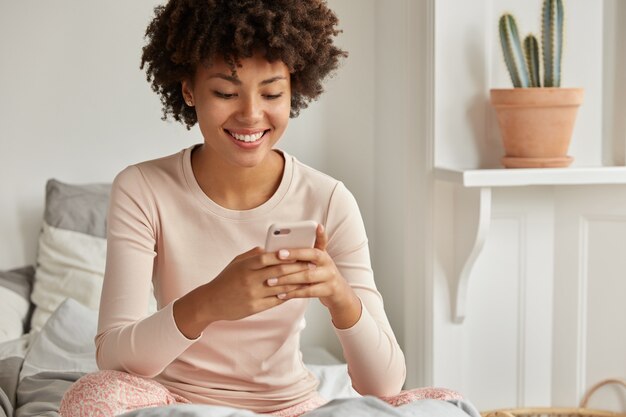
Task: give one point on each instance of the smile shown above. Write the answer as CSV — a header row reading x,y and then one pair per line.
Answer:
x,y
248,138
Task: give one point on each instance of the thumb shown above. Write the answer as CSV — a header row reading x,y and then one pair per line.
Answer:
x,y
321,240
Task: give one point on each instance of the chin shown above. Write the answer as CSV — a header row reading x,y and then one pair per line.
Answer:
x,y
250,161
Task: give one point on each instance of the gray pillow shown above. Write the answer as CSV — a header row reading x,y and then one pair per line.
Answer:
x,y
15,308
72,248
80,208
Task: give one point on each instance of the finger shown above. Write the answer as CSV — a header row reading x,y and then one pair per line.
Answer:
x,y
266,259
321,240
312,255
305,291
271,274
279,289
270,302
312,275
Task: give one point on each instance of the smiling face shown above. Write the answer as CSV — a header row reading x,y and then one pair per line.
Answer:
x,y
241,117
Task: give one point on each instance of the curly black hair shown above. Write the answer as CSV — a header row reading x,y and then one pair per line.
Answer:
x,y
185,33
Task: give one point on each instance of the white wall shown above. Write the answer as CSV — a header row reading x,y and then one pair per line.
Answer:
x,y
75,106
469,63
614,83
403,162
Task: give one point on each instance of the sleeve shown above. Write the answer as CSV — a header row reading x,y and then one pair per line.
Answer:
x,y
375,361
126,334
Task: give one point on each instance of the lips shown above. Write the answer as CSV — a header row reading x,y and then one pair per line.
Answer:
x,y
247,137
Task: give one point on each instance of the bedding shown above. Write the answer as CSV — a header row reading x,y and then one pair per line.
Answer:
x,y
72,247
38,366
36,369
15,308
345,407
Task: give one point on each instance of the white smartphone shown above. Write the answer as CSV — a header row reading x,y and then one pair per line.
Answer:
x,y
292,235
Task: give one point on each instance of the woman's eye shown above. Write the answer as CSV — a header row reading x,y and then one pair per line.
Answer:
x,y
272,96
224,95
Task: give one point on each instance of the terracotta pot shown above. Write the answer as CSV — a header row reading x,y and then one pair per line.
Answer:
x,y
536,125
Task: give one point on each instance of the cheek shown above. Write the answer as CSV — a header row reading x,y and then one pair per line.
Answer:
x,y
280,114
211,113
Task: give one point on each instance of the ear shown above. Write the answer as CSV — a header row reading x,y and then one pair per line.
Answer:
x,y
187,90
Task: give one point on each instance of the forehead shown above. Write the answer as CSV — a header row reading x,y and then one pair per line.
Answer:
x,y
253,68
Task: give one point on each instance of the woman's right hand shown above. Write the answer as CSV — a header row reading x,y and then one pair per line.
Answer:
x,y
240,290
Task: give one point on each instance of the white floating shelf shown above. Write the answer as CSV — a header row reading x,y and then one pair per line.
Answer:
x,y
533,176
472,212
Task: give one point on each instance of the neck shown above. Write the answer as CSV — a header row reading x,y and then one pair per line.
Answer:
x,y
235,187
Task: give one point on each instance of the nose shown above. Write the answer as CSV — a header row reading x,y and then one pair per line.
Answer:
x,y
250,111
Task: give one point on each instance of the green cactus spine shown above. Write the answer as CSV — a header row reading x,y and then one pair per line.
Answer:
x,y
531,51
512,49
552,41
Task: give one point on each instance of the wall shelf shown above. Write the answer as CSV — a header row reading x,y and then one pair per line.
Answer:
x,y
532,176
472,209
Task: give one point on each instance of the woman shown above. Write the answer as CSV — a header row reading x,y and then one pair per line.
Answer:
x,y
192,224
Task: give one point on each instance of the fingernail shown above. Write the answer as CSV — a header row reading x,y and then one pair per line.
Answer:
x,y
272,281
312,266
282,295
283,253
321,227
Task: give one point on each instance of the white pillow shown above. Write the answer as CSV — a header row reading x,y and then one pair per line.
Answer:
x,y
65,342
72,248
69,265
13,309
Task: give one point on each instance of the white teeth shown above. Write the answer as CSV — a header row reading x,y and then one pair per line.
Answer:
x,y
247,138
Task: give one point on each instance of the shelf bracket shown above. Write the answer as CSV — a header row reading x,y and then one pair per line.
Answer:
x,y
472,219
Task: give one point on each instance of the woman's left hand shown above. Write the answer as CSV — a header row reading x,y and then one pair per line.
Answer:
x,y
322,280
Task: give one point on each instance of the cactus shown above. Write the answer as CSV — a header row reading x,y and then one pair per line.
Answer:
x,y
512,50
531,51
523,65
552,41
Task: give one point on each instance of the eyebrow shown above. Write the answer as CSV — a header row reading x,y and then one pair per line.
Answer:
x,y
237,81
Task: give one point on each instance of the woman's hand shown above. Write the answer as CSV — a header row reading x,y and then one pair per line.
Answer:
x,y
245,287
320,280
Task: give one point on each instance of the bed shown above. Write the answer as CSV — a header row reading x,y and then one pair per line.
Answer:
x,y
48,319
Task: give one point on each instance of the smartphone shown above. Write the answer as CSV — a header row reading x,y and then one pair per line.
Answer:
x,y
292,235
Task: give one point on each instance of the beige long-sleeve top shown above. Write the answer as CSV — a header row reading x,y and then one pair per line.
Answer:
x,y
163,230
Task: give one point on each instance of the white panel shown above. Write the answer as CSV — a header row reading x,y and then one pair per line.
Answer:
x,y
537,316
500,356
491,353
447,337
518,257
614,83
589,265
606,309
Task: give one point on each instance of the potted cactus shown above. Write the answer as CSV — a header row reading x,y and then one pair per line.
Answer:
x,y
536,121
